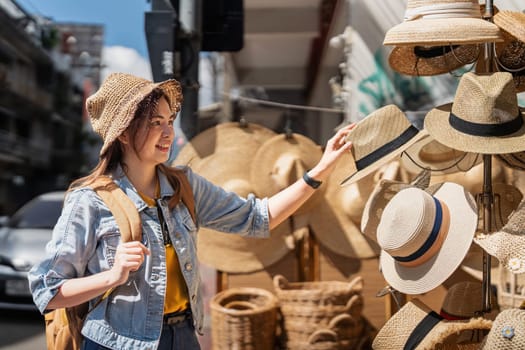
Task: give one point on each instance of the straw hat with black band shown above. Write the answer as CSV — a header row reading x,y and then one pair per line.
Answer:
x,y
378,139
124,93
424,237
417,327
442,23
484,118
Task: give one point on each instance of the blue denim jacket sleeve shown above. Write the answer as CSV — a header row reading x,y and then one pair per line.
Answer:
x,y
227,212
69,249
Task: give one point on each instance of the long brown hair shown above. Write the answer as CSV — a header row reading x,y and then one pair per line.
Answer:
x,y
110,160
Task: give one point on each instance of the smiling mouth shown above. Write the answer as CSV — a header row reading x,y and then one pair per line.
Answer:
x,y
163,148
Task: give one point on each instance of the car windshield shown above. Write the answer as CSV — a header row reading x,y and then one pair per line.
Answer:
x,y
38,213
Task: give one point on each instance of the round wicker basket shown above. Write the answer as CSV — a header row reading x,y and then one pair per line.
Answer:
x,y
243,318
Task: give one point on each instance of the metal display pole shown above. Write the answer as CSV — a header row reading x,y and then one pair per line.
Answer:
x,y
487,196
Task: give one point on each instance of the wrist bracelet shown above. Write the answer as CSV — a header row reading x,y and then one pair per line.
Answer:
x,y
313,183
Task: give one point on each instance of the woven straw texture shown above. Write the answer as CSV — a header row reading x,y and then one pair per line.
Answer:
x,y
407,59
243,318
463,300
507,244
511,53
513,160
382,126
489,100
444,30
307,307
113,106
508,331
444,335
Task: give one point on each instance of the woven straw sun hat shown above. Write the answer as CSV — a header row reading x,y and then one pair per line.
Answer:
x,y
442,22
424,237
335,222
464,300
415,326
430,154
510,53
281,161
431,60
234,137
113,106
507,332
507,244
484,118
378,139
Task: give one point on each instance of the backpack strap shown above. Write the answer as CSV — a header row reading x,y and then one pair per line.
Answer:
x,y
121,206
186,194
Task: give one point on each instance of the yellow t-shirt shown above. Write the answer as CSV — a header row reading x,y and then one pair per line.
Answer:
x,y
176,290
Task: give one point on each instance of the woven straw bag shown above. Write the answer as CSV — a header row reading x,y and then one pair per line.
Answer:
x,y
307,307
243,318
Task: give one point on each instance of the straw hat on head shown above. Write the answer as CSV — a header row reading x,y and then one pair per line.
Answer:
x,y
231,137
431,60
507,244
484,118
442,22
507,332
430,154
282,160
112,108
233,253
415,326
424,237
378,139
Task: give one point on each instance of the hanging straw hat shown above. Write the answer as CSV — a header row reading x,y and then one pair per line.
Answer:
x,y
507,244
415,326
507,332
230,137
484,118
113,106
438,158
383,192
378,139
510,54
442,22
431,60
463,300
424,237
334,220
229,252
513,160
281,161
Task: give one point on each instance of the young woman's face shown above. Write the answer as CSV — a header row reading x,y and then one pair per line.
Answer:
x,y
154,139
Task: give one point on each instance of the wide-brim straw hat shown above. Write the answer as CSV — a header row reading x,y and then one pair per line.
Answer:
x,y
442,22
334,221
281,161
507,332
422,243
510,53
383,191
231,137
379,138
112,108
407,327
430,154
431,60
507,244
484,118
233,253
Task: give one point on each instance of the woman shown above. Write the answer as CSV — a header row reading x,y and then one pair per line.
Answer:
x,y
156,301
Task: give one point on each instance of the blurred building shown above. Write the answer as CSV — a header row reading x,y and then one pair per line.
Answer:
x,y
44,70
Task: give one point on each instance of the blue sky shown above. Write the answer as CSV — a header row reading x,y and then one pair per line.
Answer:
x,y
123,20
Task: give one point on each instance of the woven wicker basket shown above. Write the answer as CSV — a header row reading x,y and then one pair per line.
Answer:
x,y
307,307
243,318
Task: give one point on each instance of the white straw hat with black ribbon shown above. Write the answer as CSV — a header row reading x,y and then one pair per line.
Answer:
x,y
484,117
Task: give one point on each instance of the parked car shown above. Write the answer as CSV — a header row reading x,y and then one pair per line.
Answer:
x,y
23,238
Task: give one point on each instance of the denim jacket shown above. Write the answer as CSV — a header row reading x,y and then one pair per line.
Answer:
x,y
85,239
